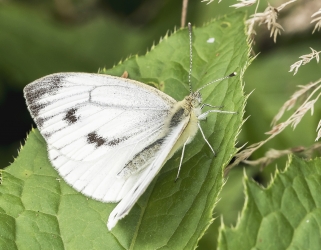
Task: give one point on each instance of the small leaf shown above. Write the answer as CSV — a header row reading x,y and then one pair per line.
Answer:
x,y
39,210
286,215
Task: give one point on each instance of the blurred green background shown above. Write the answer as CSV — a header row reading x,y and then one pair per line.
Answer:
x,y
38,38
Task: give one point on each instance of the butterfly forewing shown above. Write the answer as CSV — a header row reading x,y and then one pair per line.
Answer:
x,y
94,125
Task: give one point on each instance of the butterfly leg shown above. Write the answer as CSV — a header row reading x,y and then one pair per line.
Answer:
x,y
199,126
204,115
209,105
182,156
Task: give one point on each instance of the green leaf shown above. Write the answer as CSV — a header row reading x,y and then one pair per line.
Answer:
x,y
38,209
286,215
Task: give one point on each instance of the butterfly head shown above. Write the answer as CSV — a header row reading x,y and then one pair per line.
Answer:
x,y
193,101
196,99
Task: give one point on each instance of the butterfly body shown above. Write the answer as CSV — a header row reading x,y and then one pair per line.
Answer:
x,y
188,109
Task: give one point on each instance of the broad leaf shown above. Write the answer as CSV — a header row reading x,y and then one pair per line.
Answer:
x,y
286,215
39,210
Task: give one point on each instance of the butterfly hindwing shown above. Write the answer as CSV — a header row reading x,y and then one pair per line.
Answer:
x,y
148,174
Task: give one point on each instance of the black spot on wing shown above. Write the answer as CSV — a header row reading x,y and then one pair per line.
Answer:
x,y
70,116
94,138
115,142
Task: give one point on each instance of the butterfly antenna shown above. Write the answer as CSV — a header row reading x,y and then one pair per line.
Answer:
x,y
217,80
190,57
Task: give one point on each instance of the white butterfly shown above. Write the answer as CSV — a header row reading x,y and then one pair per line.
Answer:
x,y
108,136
